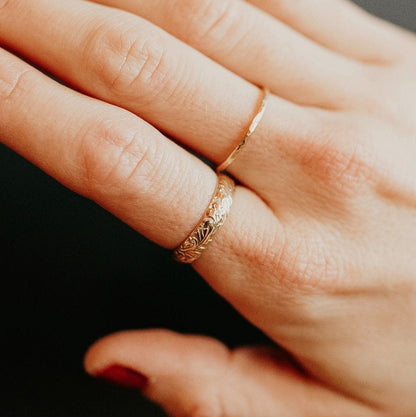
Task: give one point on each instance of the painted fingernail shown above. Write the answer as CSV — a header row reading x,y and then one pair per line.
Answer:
x,y
121,376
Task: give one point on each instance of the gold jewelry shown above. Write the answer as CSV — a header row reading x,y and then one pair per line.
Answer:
x,y
254,123
214,217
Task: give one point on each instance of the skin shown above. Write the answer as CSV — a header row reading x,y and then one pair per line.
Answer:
x,y
319,248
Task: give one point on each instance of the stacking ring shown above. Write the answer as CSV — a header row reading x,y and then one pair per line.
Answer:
x,y
214,217
253,125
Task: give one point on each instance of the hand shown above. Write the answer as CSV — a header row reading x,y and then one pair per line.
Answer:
x,y
319,248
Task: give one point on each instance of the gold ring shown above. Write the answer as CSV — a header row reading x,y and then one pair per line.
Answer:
x,y
214,217
253,125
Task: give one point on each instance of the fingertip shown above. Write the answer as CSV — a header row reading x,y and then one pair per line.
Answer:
x,y
122,376
103,352
126,347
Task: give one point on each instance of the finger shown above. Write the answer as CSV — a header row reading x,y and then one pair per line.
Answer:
x,y
344,27
175,88
137,67
134,62
129,168
103,152
193,376
194,102
255,46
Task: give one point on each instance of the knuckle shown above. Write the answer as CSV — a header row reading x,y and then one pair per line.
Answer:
x,y
4,3
127,60
268,252
303,266
289,260
340,167
335,159
210,21
309,264
111,157
264,252
14,82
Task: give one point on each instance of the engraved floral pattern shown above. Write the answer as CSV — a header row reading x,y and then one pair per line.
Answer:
x,y
214,217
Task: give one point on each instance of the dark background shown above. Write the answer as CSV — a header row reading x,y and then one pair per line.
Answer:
x,y
71,273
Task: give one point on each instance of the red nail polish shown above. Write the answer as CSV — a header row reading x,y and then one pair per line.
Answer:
x,y
124,377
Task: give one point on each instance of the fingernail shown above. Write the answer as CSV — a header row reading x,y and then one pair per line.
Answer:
x,y
121,376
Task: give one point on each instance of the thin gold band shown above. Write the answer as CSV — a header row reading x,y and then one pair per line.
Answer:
x,y
216,213
253,125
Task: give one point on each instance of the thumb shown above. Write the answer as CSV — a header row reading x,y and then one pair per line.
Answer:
x,y
196,376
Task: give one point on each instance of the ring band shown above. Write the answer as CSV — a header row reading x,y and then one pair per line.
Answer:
x,y
253,125
214,217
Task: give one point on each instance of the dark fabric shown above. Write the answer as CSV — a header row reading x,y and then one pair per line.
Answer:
x,y
71,273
